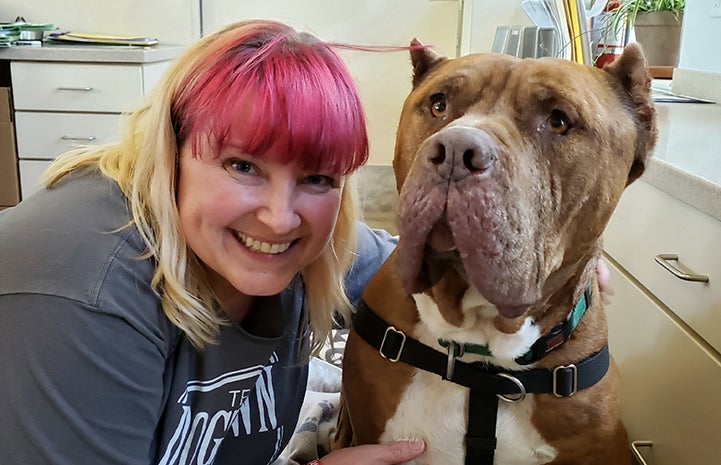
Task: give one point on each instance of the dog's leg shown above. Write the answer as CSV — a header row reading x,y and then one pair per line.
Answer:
x,y
344,430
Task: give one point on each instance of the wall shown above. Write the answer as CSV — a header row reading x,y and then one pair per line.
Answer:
x,y
481,19
178,21
171,21
699,68
700,38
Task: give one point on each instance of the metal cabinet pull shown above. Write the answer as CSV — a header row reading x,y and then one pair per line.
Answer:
x,y
664,259
634,448
82,89
85,138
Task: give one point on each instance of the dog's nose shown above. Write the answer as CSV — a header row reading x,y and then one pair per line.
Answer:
x,y
459,151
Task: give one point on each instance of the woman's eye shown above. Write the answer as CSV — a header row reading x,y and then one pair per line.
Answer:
x,y
320,180
237,166
558,122
438,105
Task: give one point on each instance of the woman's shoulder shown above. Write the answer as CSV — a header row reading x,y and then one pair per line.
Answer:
x,y
73,241
374,247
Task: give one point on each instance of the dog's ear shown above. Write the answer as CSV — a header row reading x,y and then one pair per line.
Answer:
x,y
631,72
423,58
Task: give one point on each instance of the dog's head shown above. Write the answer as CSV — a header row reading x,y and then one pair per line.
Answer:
x,y
509,169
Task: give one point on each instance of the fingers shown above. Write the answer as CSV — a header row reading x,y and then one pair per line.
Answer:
x,y
604,281
403,451
391,453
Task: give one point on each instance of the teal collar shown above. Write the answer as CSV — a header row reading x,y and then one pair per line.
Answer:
x,y
555,337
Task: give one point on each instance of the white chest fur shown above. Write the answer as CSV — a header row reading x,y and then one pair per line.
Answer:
x,y
434,410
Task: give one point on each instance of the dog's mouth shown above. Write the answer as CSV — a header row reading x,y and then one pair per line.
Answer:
x,y
427,254
437,263
440,239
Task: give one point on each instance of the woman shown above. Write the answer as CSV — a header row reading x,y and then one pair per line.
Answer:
x,y
159,298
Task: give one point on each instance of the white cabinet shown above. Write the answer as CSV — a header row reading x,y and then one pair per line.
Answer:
x,y
383,78
63,105
670,380
665,332
649,222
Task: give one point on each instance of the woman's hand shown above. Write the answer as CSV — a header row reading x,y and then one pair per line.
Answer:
x,y
604,281
391,453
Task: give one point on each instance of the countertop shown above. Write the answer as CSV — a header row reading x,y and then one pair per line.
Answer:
x,y
92,53
687,159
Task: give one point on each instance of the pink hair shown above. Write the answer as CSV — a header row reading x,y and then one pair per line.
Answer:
x,y
280,93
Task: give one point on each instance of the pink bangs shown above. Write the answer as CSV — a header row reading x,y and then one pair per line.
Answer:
x,y
275,92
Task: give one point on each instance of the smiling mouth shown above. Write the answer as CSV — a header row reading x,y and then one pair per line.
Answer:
x,y
257,246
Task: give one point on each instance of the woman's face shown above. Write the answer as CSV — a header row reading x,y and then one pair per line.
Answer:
x,y
254,222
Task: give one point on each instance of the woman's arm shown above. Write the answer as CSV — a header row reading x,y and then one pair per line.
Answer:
x,y
78,385
374,246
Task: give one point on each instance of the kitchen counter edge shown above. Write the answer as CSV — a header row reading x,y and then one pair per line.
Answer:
x,y
92,53
697,192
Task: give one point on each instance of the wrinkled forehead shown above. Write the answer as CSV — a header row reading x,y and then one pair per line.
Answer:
x,y
505,80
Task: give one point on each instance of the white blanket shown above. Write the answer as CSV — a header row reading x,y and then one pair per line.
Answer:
x,y
319,413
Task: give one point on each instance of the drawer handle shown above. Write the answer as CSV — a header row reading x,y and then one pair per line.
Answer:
x,y
664,259
634,448
86,138
81,89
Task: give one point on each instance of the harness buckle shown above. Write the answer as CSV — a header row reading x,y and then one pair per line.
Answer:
x,y
454,350
394,340
565,380
521,388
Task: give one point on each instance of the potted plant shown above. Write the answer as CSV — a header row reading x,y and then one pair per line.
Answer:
x,y
657,27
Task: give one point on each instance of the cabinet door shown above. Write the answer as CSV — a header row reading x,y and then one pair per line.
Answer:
x,y
383,78
670,378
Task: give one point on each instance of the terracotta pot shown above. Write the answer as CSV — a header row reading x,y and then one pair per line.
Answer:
x,y
659,33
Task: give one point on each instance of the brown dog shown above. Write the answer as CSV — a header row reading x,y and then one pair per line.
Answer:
x,y
484,333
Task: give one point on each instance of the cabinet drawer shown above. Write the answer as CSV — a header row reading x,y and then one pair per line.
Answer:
x,y
76,86
47,135
30,173
670,383
649,222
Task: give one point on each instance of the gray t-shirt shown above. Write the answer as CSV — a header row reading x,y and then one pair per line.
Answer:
x,y
92,372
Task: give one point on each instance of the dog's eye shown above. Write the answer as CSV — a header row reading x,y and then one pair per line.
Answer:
x,y
558,122
438,105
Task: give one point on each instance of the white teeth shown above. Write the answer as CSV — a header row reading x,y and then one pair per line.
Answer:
x,y
262,247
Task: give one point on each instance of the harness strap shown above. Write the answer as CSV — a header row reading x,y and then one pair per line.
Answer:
x,y
562,381
487,383
481,429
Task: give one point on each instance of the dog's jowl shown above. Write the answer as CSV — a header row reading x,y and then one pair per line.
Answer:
x,y
484,334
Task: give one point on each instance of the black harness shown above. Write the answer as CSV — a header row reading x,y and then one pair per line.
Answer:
x,y
487,383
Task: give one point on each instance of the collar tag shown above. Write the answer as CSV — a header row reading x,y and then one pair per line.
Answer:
x,y
555,340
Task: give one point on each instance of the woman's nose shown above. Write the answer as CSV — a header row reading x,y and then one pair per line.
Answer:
x,y
279,212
